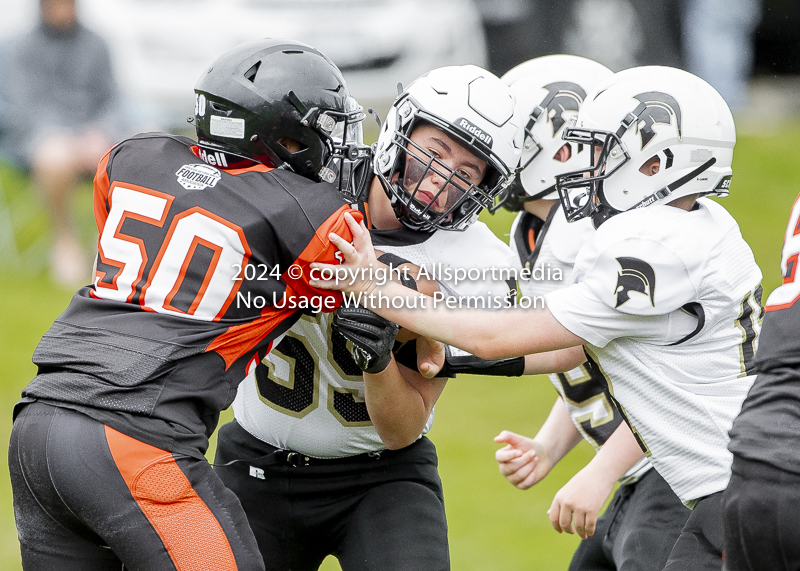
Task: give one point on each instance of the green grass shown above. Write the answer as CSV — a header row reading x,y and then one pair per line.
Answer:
x,y
492,525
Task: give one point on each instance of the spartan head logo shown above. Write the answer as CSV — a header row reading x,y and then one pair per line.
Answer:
x,y
562,96
659,108
636,275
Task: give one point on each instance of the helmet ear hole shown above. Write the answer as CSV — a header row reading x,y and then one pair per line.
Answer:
x,y
651,166
291,145
250,74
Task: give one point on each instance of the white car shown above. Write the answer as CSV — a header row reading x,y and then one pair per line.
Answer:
x,y
161,47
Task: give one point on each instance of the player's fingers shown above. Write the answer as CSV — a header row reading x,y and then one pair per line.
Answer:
x,y
563,515
430,357
531,478
591,524
565,520
521,474
580,523
323,276
554,514
361,238
508,437
506,454
344,246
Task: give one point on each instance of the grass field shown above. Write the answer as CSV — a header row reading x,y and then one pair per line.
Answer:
x,y
492,525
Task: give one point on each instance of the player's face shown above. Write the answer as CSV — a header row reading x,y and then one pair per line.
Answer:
x,y
431,186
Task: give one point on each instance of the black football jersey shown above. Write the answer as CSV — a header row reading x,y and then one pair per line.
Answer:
x,y
768,425
199,268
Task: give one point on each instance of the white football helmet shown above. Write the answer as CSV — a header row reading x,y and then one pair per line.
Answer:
x,y
638,114
474,108
549,91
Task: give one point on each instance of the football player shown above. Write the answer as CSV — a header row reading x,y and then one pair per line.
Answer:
x,y
549,91
327,452
196,241
666,295
761,502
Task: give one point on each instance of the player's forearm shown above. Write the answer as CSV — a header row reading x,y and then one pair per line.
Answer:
x,y
558,433
397,410
488,335
618,455
559,361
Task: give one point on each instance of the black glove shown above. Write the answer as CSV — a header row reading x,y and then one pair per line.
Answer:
x,y
371,336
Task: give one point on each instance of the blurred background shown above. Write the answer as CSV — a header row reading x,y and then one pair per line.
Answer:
x,y
748,49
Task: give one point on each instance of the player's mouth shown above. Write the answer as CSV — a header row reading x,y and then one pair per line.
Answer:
x,y
425,197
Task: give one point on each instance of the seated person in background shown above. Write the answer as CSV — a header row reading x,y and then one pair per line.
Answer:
x,y
60,85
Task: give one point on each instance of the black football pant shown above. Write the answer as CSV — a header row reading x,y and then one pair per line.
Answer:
x,y
700,545
373,512
637,531
89,498
762,518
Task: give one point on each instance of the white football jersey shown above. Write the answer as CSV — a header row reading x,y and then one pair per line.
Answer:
x,y
550,253
307,395
669,304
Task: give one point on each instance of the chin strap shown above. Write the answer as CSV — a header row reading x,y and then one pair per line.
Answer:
x,y
670,188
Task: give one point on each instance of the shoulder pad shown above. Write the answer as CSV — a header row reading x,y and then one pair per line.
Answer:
x,y
637,272
475,247
567,238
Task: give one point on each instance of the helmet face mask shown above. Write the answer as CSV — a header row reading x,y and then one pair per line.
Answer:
x,y
261,93
640,118
474,112
580,190
349,158
423,205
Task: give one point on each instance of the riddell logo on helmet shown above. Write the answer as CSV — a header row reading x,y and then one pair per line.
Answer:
x,y
475,131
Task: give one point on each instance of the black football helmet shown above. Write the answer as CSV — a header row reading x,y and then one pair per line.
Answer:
x,y
262,91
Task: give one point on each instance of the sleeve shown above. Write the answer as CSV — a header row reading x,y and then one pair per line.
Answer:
x,y
638,276
320,249
100,194
579,310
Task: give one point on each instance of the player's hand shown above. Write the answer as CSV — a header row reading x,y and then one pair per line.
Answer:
x,y
430,357
357,274
371,337
523,461
578,503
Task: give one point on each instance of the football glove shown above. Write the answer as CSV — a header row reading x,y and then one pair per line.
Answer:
x,y
370,337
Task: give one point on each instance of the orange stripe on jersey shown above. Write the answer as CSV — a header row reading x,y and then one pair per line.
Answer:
x,y
531,239
368,220
100,199
320,249
239,339
254,168
189,530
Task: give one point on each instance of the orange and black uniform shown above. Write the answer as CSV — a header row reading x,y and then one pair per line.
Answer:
x,y
761,503
108,440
